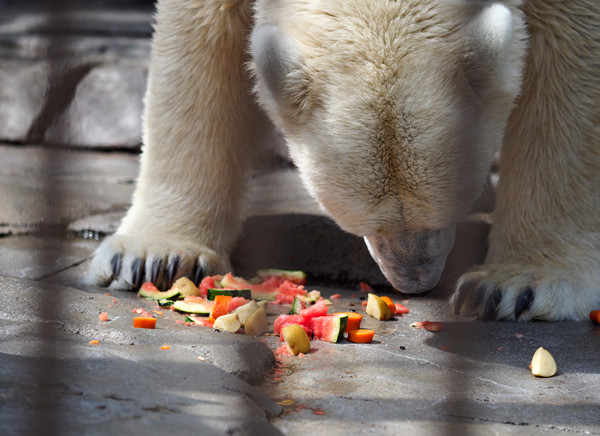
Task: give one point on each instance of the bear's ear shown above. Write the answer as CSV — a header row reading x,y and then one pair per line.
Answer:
x,y
490,38
279,68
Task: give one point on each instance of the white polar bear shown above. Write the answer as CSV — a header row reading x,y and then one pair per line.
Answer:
x,y
393,112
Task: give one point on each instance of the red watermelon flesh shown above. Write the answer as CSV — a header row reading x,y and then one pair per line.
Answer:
x,y
237,302
329,327
285,320
318,309
209,282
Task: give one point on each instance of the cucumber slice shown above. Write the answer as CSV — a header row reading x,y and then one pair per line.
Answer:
x,y
188,307
212,293
296,306
154,294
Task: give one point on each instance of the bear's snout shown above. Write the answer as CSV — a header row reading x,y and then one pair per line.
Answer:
x,y
412,261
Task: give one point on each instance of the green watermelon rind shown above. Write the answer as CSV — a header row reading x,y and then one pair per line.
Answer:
x,y
158,295
337,333
213,292
188,307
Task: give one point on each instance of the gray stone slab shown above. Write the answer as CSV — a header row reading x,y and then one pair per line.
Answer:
x,y
106,110
50,186
22,89
53,381
470,378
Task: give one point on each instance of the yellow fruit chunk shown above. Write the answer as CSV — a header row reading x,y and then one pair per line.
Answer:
x,y
185,287
377,308
229,323
256,323
295,339
543,364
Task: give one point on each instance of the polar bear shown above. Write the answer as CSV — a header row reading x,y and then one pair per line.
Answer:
x,y
393,112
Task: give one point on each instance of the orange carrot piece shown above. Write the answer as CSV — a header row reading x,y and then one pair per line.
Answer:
x,y
595,316
103,316
354,320
144,322
221,306
361,336
387,300
401,309
94,342
165,347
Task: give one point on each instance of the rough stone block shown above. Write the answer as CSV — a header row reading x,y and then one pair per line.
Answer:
x,y
106,109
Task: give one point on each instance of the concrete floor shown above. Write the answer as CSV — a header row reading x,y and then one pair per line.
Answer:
x,y
470,378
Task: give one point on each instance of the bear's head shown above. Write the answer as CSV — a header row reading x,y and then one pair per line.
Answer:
x,y
393,112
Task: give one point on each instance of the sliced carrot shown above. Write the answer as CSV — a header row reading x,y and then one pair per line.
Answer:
x,y
94,342
401,309
165,347
144,322
221,306
595,316
361,336
387,300
354,320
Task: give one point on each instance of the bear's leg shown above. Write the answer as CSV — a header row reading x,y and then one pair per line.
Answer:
x,y
544,255
199,123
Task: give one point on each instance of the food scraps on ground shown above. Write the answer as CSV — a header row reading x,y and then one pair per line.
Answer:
x,y
377,308
103,316
432,326
144,322
390,304
354,320
362,336
296,339
595,316
542,364
165,347
94,342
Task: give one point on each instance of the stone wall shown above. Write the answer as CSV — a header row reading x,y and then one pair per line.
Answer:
x,y
74,74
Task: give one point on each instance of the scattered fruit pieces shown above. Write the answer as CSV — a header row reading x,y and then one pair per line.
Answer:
x,y
295,339
229,322
595,316
144,322
221,306
542,364
256,323
365,287
387,300
185,287
354,320
401,309
165,347
377,308
243,312
103,316
431,326
361,336
94,342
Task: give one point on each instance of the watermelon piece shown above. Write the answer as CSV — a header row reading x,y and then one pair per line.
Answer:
x,y
284,320
297,277
329,328
237,302
266,290
287,291
209,282
230,282
320,308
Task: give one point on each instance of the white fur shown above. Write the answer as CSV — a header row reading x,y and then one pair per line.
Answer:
x,y
393,112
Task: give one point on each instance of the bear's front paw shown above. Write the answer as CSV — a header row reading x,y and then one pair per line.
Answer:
x,y
518,292
124,262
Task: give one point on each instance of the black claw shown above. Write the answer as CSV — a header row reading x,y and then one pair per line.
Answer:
x,y
198,274
172,267
137,273
155,271
524,301
477,299
116,263
491,306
